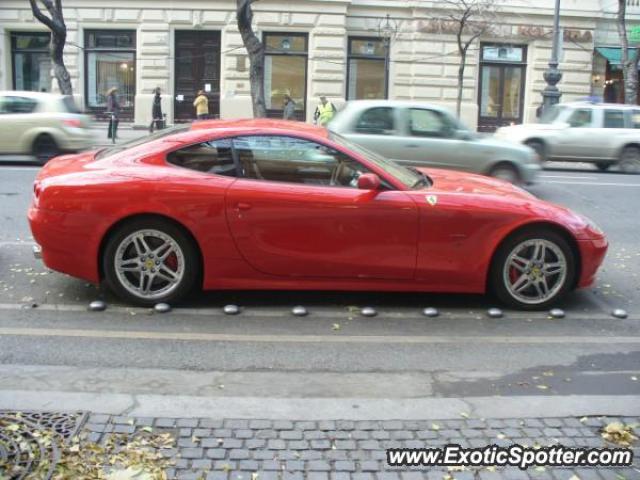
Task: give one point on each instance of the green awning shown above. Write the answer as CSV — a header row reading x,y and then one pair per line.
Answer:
x,y
614,54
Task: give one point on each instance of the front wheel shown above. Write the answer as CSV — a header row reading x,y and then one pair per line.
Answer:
x,y
45,148
538,147
533,270
148,261
506,172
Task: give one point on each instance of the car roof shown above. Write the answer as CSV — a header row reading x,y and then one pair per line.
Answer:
x,y
28,94
394,104
252,124
587,103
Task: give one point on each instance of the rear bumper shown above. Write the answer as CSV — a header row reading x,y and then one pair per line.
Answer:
x,y
592,253
64,243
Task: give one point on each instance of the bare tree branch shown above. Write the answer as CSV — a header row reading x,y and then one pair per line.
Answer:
x,y
42,18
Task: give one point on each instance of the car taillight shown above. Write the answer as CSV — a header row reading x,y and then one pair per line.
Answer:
x,y
72,122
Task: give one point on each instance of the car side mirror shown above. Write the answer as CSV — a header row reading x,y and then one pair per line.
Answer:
x,y
369,181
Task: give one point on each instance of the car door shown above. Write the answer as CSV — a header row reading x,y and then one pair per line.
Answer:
x,y
16,119
581,140
377,129
296,213
430,140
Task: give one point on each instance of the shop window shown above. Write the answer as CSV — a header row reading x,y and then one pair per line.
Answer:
x,y
110,59
367,71
31,61
285,72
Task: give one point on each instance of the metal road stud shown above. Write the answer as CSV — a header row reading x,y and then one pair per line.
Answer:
x,y
619,313
299,311
97,306
430,312
162,307
368,312
556,313
495,313
231,309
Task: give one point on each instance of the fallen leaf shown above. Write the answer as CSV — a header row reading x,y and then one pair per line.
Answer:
x,y
336,326
435,426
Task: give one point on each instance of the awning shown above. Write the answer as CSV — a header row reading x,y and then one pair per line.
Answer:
x,y
614,54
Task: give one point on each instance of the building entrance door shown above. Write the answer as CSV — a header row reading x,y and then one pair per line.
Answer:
x,y
197,67
501,89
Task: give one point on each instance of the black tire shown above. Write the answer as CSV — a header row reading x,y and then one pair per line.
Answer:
x,y
630,160
497,273
538,147
45,148
189,250
603,166
505,171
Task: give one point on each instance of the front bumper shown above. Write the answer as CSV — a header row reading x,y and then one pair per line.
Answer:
x,y
529,172
592,253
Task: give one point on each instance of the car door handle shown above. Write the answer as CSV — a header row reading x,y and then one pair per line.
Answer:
x,y
243,206
412,145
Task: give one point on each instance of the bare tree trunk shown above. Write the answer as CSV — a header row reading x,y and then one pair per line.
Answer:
x,y
255,50
463,61
58,29
629,65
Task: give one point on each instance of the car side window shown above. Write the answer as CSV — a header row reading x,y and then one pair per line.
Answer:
x,y
428,123
613,119
580,118
294,160
377,121
14,104
208,157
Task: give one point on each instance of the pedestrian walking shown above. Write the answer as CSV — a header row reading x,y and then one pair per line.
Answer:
x,y
156,112
201,104
289,108
324,112
113,108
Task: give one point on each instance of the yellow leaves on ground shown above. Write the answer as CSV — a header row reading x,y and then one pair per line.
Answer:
x,y
619,433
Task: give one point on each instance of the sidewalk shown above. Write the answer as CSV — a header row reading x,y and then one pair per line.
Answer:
x,y
126,133
219,448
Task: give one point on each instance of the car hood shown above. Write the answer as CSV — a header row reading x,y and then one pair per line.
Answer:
x,y
495,143
462,182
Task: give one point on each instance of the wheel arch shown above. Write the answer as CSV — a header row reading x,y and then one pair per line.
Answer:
x,y
155,216
626,145
539,225
504,163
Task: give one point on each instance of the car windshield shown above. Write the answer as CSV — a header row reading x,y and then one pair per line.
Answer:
x,y
551,114
409,177
106,152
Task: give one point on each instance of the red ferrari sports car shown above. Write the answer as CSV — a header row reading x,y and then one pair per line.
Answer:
x,y
266,204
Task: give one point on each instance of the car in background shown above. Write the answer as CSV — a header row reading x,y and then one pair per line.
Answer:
x,y
271,204
600,133
41,124
424,135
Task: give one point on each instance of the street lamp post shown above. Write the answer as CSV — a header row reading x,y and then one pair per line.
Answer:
x,y
551,94
387,29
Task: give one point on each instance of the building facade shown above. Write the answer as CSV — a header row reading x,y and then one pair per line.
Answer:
x,y
334,48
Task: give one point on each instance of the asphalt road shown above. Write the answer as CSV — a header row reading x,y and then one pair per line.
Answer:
x,y
49,341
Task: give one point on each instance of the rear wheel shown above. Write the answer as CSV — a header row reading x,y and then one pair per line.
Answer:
x,y
603,166
533,269
147,261
45,148
506,172
630,160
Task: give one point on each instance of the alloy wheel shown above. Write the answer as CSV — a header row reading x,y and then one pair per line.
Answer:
x,y
535,271
630,160
149,264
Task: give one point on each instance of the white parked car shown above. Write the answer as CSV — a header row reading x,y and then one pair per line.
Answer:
x,y
600,133
424,135
41,124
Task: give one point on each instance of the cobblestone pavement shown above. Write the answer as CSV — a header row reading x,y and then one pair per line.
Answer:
x,y
230,449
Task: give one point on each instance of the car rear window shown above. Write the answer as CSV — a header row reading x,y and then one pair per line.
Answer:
x,y
69,105
107,152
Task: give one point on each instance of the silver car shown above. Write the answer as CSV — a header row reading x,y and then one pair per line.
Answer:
x,y
426,135
599,133
41,124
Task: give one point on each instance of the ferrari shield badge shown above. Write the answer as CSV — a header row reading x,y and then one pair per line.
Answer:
x,y
432,200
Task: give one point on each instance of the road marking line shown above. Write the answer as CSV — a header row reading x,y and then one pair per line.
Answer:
x,y
17,244
565,176
597,184
379,339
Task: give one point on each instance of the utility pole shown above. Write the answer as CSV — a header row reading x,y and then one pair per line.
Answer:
x,y
551,94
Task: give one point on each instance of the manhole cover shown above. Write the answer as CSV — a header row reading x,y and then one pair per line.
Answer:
x,y
29,442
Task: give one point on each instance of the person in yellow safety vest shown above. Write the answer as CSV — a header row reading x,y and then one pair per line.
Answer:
x,y
324,112
201,103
